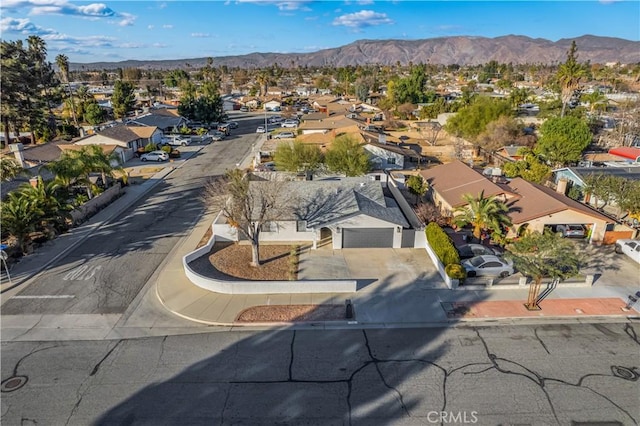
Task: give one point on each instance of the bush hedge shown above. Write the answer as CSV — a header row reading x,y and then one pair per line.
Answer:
x,y
456,271
442,244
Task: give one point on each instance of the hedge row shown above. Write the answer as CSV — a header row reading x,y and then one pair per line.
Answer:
x,y
442,244
445,250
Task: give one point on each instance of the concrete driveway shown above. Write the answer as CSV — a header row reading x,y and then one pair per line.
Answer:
x,y
375,269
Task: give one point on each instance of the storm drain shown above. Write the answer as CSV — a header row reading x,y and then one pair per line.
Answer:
x,y
13,383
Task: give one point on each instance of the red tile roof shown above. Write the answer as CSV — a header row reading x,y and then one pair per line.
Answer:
x,y
629,152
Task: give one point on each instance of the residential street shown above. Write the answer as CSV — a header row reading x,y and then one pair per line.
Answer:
x,y
105,273
542,375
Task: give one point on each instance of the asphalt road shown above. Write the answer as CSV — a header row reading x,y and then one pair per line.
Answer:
x,y
526,375
105,273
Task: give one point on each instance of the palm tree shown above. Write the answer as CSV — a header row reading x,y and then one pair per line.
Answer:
x,y
484,213
569,76
48,199
596,100
100,162
63,65
19,218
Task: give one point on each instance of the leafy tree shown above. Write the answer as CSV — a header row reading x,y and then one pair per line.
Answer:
x,y
484,213
418,186
19,218
347,156
519,96
297,157
93,114
540,255
563,139
472,120
123,98
569,75
9,168
529,168
248,207
597,101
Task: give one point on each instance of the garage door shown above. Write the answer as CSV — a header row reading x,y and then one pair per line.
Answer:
x,y
367,237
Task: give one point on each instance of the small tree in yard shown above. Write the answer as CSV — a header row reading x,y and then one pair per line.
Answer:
x,y
249,205
418,186
539,255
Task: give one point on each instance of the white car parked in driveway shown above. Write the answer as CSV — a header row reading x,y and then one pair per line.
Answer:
x,y
178,141
629,247
488,265
154,156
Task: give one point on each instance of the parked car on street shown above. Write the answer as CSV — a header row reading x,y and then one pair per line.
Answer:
x,y
467,251
244,109
488,265
571,231
154,156
232,124
629,247
290,123
260,129
284,135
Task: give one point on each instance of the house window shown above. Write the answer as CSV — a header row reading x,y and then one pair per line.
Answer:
x,y
269,227
301,226
391,160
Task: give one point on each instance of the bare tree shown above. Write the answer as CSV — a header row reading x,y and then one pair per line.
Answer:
x,y
249,205
431,132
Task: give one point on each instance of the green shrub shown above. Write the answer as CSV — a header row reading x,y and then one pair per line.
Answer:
x,y
150,147
456,271
167,149
442,244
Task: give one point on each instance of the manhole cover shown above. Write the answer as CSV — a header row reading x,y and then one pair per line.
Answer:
x,y
13,383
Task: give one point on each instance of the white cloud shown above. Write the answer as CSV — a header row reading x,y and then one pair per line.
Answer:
x,y
282,5
162,5
159,45
23,26
364,2
609,1
127,19
66,8
150,27
200,35
167,26
362,19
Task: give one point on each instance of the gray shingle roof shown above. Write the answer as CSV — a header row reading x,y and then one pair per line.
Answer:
x,y
162,122
324,202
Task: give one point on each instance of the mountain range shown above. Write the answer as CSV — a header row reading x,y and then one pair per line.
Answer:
x,y
461,50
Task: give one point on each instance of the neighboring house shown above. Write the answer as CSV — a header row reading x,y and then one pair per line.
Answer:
x,y
129,138
448,183
576,176
507,154
531,206
321,123
343,212
168,123
391,156
536,206
272,105
230,104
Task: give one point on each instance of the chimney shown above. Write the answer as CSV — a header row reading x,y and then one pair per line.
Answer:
x,y
561,187
17,149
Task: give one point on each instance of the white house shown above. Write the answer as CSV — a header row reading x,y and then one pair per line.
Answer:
x,y
343,212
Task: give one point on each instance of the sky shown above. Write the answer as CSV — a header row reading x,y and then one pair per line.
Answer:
x,y
145,30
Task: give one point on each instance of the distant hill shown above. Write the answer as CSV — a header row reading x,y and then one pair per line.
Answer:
x,y
462,50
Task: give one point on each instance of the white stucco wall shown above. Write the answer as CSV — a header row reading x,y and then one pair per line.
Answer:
x,y
286,231
382,156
